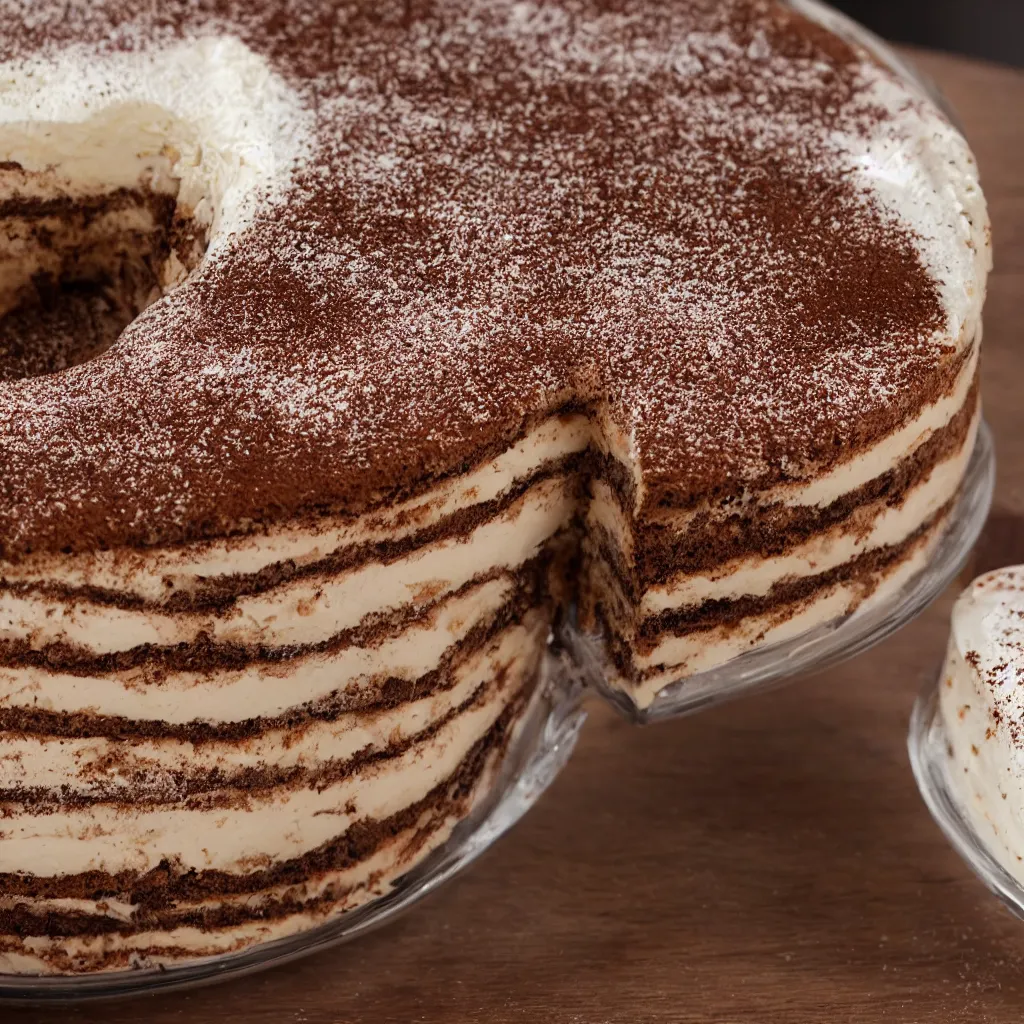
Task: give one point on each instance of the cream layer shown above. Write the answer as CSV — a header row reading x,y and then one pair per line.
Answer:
x,y
277,826
677,657
982,707
113,769
263,689
754,576
128,147
311,609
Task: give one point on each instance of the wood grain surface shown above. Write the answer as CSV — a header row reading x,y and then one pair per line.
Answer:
x,y
766,861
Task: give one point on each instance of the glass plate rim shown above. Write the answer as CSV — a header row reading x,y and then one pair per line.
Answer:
x,y
926,747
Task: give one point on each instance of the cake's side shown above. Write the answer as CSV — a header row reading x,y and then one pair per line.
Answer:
x,y
254,852
684,592
212,746
982,711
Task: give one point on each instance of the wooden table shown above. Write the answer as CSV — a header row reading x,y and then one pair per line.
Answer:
x,y
767,861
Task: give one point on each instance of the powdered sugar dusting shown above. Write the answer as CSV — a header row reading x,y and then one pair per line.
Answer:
x,y
503,207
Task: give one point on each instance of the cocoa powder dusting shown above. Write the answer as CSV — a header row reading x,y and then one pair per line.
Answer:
x,y
629,204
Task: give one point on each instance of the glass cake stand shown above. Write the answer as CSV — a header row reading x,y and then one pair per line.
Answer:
x,y
544,739
824,645
928,746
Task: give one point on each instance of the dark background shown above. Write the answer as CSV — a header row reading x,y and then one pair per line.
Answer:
x,y
993,29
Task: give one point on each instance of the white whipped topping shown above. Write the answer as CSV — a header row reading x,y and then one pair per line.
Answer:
x,y
921,170
208,119
981,700
919,167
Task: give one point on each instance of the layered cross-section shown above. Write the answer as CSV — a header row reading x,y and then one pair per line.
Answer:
x,y
215,745
679,589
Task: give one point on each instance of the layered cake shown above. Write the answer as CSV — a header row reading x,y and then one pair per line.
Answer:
x,y
981,709
347,345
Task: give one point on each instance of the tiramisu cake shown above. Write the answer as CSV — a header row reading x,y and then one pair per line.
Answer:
x,y
346,344
981,709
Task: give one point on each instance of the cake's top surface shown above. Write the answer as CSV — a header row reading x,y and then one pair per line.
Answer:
x,y
747,242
